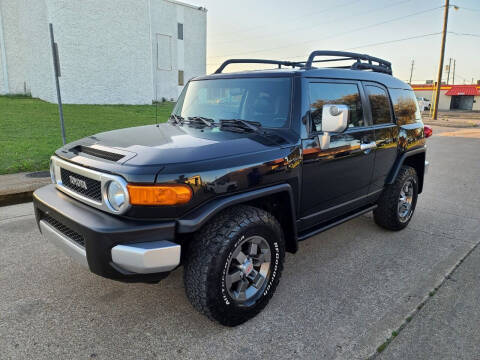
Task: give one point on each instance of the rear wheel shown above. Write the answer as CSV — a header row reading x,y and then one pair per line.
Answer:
x,y
398,200
233,265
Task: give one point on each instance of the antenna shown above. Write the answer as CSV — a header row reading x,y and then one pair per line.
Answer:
x,y
411,72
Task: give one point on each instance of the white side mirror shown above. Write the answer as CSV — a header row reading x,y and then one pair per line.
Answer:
x,y
334,119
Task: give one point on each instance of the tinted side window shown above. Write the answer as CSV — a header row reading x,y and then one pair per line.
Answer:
x,y
333,93
405,106
379,104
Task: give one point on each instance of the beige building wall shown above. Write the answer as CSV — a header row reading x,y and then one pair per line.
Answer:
x,y
476,103
443,101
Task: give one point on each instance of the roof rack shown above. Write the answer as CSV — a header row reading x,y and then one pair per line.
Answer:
x,y
258,61
382,66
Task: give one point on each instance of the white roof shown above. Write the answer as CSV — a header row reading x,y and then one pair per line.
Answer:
x,y
187,5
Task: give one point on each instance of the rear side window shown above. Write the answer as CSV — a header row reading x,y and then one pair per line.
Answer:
x,y
380,105
335,93
405,106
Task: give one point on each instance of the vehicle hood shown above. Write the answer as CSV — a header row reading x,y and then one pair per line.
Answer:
x,y
163,144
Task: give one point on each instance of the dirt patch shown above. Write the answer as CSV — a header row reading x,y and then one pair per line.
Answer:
x,y
468,133
457,119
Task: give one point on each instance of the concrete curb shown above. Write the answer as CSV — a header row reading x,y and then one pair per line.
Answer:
x,y
18,188
18,198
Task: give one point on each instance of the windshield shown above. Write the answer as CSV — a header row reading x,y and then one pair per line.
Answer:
x,y
264,100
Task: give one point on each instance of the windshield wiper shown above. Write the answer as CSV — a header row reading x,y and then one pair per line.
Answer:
x,y
239,125
242,124
207,121
177,119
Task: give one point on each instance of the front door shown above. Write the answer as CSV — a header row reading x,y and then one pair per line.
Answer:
x,y
336,180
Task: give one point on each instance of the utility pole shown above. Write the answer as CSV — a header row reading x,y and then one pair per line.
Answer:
x,y
449,66
411,72
440,65
453,77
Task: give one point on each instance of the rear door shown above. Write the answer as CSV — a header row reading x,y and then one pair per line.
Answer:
x,y
386,132
336,180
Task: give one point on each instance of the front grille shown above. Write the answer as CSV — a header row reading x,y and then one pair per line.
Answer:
x,y
98,153
72,235
83,185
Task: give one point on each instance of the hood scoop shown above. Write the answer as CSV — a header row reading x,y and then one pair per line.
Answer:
x,y
102,152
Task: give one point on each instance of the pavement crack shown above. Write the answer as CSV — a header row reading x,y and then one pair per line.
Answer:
x,y
414,312
450,213
15,217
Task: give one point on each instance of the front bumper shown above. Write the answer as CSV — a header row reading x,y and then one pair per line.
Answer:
x,y
110,246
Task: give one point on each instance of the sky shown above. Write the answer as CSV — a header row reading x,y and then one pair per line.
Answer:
x,y
290,30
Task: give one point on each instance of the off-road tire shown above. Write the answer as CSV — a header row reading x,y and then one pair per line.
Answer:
x,y
211,249
386,214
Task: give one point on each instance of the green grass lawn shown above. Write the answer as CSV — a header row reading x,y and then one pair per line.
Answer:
x,y
30,128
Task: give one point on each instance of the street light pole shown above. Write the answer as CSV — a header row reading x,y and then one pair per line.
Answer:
x,y
453,77
440,65
449,67
411,72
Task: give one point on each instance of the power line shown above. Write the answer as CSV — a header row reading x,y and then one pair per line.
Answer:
x,y
469,9
303,16
463,34
321,24
394,41
371,44
333,36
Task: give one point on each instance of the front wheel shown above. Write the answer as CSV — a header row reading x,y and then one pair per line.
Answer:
x,y
398,200
233,265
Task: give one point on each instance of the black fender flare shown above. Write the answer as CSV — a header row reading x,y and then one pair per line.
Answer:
x,y
399,163
194,220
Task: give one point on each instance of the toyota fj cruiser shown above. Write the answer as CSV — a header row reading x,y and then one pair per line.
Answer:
x,y
249,164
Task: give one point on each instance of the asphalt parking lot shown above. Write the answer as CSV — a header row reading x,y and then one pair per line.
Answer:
x,y
340,296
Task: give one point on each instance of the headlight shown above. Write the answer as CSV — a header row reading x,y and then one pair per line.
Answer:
x,y
52,172
116,195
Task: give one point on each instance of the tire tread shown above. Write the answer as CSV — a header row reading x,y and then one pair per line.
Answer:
x,y
214,238
385,215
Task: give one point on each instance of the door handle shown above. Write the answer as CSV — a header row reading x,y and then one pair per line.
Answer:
x,y
370,145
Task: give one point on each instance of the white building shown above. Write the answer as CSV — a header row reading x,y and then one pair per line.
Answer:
x,y
111,51
451,97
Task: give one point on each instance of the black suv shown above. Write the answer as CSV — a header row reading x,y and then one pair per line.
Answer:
x,y
249,164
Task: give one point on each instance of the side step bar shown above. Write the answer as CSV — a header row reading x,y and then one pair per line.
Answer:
x,y
333,223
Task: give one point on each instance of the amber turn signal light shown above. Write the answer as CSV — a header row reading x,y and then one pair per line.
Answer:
x,y
159,194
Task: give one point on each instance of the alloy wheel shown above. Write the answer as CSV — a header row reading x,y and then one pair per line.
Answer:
x,y
405,201
248,270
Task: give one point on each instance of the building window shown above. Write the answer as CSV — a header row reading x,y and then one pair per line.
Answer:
x,y
180,31
180,78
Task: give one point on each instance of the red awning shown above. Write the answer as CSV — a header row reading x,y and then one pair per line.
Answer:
x,y
470,90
